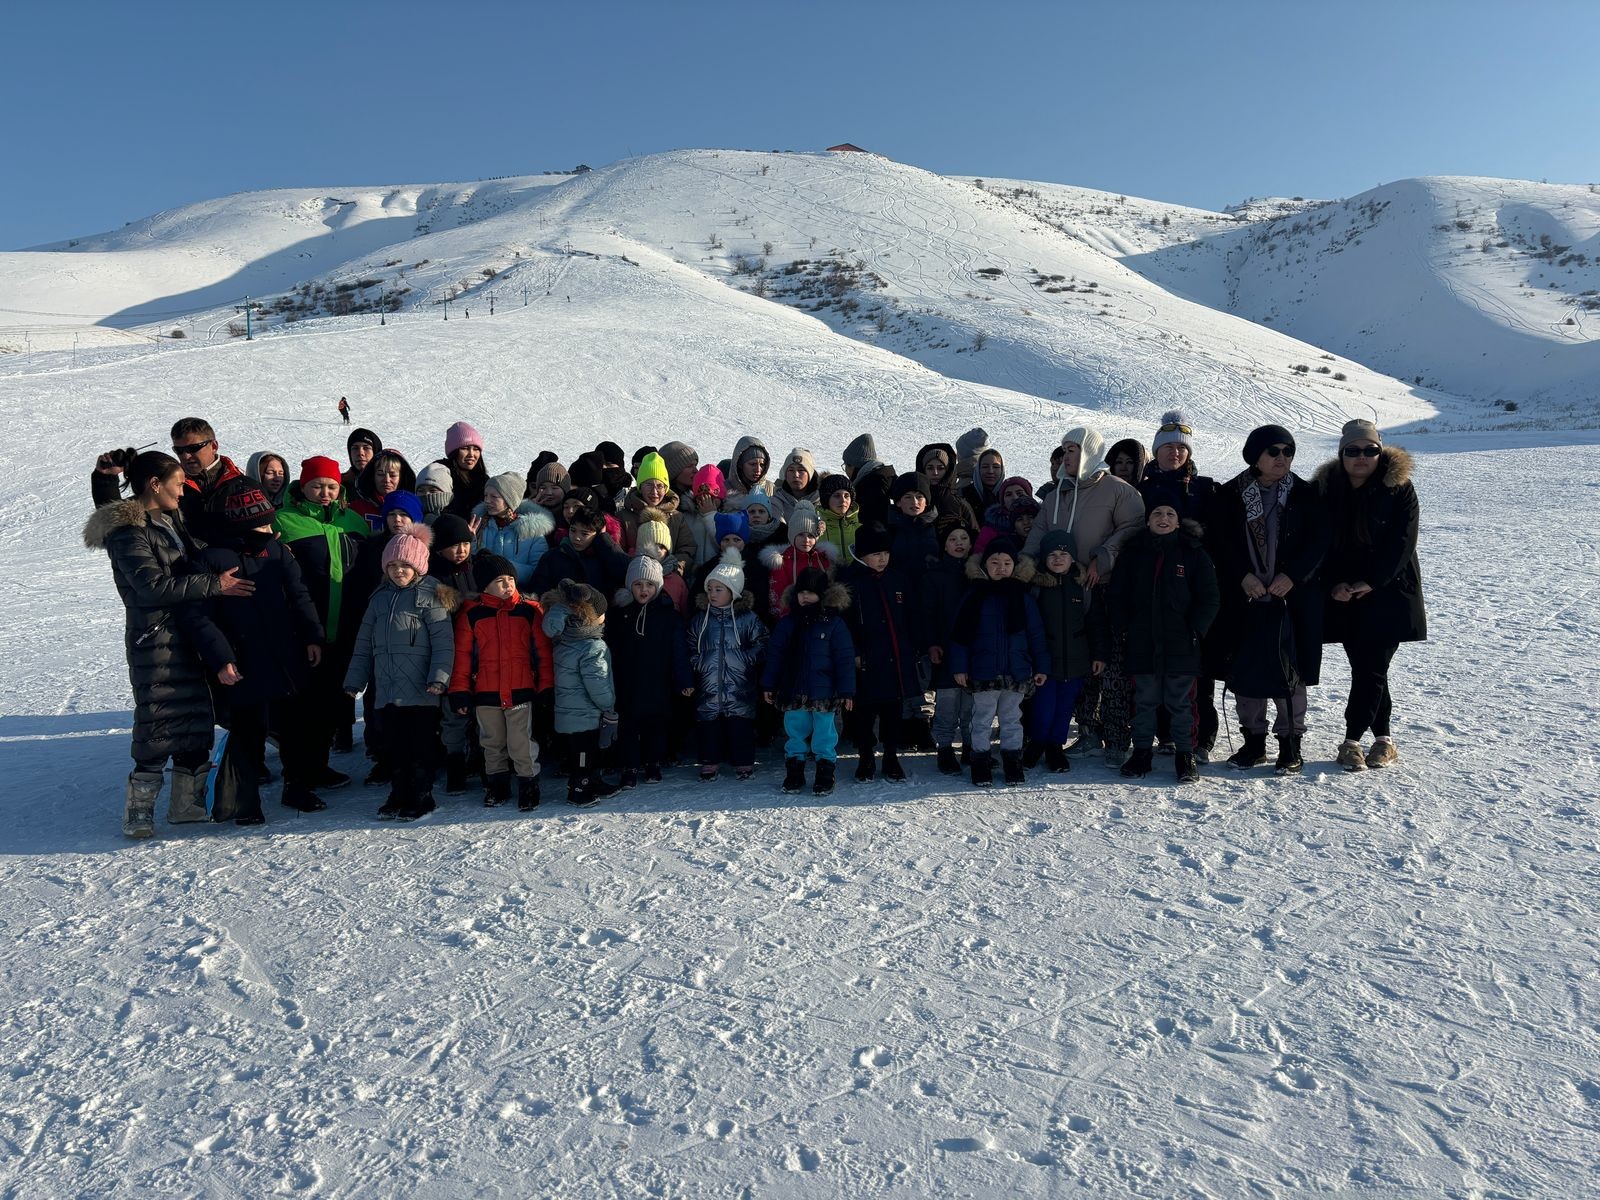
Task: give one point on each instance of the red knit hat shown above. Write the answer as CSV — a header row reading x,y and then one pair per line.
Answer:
x,y
319,466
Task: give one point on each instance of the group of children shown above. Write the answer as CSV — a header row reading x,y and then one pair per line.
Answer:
x,y
583,615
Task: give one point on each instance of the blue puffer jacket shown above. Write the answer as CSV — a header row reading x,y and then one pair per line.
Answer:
x,y
522,539
726,646
574,619
984,650
406,642
811,663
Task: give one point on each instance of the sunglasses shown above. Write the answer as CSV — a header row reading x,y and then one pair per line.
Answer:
x,y
1173,427
1362,451
191,448
1280,451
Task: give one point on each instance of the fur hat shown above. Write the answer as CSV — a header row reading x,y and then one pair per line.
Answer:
x,y
406,502
410,547
437,474
803,520
1000,545
461,434
710,476
1263,436
1183,436
642,566
487,567
319,466
873,539
450,530
511,486
653,466
678,457
584,603
245,505
653,530
1358,431
736,524
812,579
729,572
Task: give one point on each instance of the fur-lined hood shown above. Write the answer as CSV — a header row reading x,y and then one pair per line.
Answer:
x,y
430,593
772,556
530,520
1396,470
573,610
745,601
108,518
835,600
634,506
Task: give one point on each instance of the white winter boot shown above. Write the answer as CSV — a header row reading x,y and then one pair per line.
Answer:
x,y
188,801
139,810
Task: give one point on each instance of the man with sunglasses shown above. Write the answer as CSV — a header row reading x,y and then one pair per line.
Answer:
x,y
207,472
1268,537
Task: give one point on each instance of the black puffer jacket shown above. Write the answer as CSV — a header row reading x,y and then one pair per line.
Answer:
x,y
270,630
167,630
1163,599
939,595
1374,532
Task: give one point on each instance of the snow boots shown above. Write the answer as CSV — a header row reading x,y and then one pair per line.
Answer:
x,y
527,793
1252,754
498,791
866,769
139,810
1139,763
1055,758
892,770
949,764
1011,765
794,775
824,784
301,798
188,800
1032,753
1289,760
455,774
1382,754
1188,771
982,769
1350,757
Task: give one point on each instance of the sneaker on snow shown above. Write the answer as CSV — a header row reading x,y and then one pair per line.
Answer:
x,y
1350,757
1382,754
1085,743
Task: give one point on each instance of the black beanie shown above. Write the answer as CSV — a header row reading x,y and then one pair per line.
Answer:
x,y
364,435
450,530
872,539
812,579
588,471
611,454
1263,436
1000,545
487,567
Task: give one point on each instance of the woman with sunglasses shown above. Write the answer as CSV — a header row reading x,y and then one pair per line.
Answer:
x,y
1268,537
1372,578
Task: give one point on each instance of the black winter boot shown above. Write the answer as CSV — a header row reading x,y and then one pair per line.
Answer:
x,y
794,774
1252,754
892,770
1138,764
982,770
1032,752
301,798
1289,760
498,791
966,755
1184,764
578,793
527,793
824,784
1011,764
867,768
949,764
1055,757
455,774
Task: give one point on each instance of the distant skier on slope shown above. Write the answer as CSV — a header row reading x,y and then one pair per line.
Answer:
x,y
344,409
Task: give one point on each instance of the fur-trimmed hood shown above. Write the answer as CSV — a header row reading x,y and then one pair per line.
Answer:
x,y
744,602
430,593
108,518
835,600
531,519
573,610
772,556
633,504
1396,470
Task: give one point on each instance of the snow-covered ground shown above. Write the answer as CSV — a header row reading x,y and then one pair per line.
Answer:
x,y
1376,984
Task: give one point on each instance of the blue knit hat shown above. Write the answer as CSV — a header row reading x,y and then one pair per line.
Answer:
x,y
407,502
737,524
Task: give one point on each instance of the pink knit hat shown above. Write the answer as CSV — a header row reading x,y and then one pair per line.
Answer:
x,y
410,547
461,434
710,476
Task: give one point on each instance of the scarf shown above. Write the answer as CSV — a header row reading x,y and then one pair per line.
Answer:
x,y
1255,517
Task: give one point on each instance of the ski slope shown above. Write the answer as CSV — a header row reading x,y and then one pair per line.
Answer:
x,y
1379,984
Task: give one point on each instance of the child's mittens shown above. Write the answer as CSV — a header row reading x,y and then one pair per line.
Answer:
x,y
608,729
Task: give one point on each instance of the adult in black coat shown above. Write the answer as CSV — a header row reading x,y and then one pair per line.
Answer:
x,y
171,642
207,472
880,621
650,670
1268,537
1372,578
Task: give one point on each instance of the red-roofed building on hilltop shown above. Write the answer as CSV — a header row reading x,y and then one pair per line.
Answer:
x,y
847,148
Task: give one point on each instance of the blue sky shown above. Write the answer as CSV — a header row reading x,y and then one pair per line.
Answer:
x,y
117,110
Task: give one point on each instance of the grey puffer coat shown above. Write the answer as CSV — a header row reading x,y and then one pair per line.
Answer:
x,y
726,648
574,620
406,644
171,643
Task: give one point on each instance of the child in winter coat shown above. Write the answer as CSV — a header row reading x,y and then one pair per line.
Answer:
x,y
654,493
764,531
747,472
502,661
998,651
435,488
513,527
651,661
404,652
811,674
914,544
1073,638
806,549
450,562
1163,599
841,517
943,586
708,491
886,653
726,641
586,698
653,540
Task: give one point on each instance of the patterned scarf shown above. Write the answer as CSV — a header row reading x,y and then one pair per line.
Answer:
x,y
1255,518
